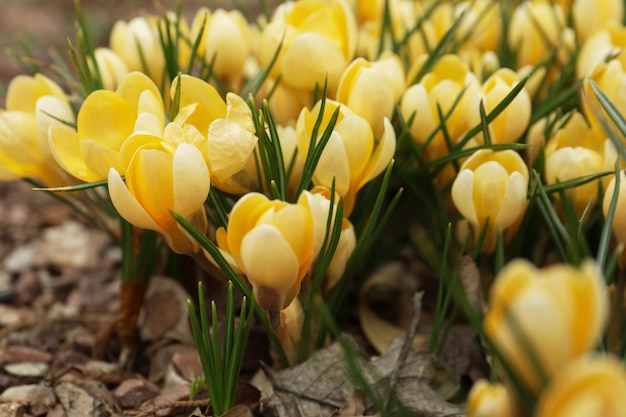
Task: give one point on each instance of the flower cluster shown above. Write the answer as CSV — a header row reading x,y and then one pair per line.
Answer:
x,y
544,325
269,139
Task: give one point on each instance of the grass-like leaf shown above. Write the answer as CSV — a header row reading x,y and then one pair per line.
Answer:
x,y
214,251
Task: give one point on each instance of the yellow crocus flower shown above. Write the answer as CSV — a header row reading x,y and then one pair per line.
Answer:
x,y
224,43
576,150
490,191
137,43
33,105
352,157
448,81
594,385
488,400
318,41
371,89
272,242
560,311
513,121
161,178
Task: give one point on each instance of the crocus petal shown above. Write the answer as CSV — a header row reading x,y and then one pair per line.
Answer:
x,y
107,118
100,158
127,205
50,111
490,183
265,245
24,91
133,144
141,93
238,111
149,179
240,220
296,218
382,155
190,178
18,142
463,195
358,142
210,105
65,148
333,163
310,59
229,146
148,123
513,202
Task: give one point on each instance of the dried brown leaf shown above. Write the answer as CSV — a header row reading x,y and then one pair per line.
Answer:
x,y
321,386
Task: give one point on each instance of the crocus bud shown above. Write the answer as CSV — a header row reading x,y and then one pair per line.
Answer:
x,y
225,42
535,29
590,16
137,43
594,385
318,41
272,242
111,67
442,86
513,121
611,78
33,105
559,312
490,191
488,400
370,89
351,157
600,46
577,150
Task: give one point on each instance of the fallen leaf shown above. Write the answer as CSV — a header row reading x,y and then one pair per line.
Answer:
x,y
392,279
321,386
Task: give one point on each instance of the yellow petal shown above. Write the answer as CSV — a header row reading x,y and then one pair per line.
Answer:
x,y
127,205
133,144
513,203
196,91
269,262
24,91
140,92
310,59
191,180
47,110
358,142
382,156
241,221
66,149
19,144
333,163
99,158
463,195
238,111
149,179
490,182
229,148
107,118
296,225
